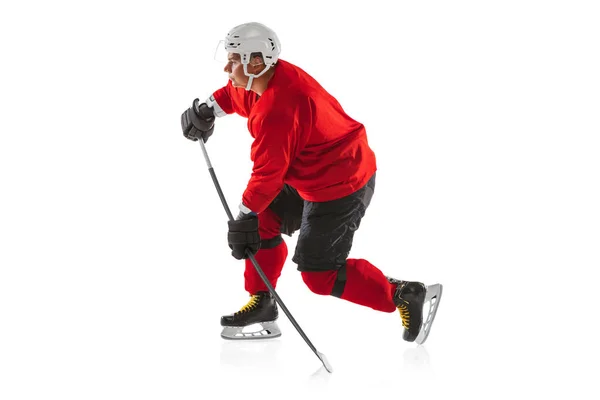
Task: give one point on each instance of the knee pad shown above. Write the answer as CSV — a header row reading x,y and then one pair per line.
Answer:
x,y
319,282
326,283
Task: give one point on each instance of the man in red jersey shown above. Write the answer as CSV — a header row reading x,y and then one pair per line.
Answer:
x,y
313,172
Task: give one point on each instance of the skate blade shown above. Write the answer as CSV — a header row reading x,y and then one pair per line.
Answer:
x,y
267,330
433,296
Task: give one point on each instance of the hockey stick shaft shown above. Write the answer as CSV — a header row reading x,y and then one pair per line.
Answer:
x,y
211,170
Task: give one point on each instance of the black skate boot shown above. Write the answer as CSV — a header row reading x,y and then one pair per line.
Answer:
x,y
260,310
410,299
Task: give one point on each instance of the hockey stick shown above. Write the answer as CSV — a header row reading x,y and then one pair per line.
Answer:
x,y
259,270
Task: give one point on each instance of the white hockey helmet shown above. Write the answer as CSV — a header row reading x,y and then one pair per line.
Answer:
x,y
253,37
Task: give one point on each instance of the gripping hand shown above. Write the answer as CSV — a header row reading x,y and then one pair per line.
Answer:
x,y
243,234
198,121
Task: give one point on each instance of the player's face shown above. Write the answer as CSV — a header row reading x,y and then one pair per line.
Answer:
x,y
235,70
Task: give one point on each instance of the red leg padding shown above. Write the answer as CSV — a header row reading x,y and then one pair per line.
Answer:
x,y
271,261
319,282
365,285
269,224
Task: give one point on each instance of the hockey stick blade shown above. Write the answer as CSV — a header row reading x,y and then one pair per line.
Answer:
x,y
325,362
259,269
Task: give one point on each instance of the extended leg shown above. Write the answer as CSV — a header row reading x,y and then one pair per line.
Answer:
x,y
358,281
324,244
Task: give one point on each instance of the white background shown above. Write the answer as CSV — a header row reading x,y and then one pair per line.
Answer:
x,y
115,270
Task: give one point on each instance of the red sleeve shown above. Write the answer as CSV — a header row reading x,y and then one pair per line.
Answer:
x,y
231,100
276,141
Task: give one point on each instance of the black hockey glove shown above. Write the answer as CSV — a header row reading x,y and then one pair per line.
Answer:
x,y
198,121
243,234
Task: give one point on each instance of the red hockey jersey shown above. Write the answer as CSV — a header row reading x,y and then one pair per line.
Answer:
x,y
302,137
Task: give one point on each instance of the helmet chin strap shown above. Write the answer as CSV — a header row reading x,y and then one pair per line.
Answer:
x,y
250,79
252,76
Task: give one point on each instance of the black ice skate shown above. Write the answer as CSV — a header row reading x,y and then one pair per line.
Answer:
x,y
410,299
261,310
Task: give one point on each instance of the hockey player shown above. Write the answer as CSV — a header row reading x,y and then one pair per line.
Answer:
x,y
313,173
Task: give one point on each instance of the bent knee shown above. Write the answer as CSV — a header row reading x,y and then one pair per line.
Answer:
x,y
319,282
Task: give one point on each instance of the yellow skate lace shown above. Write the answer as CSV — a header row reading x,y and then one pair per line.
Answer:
x,y
403,309
252,303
